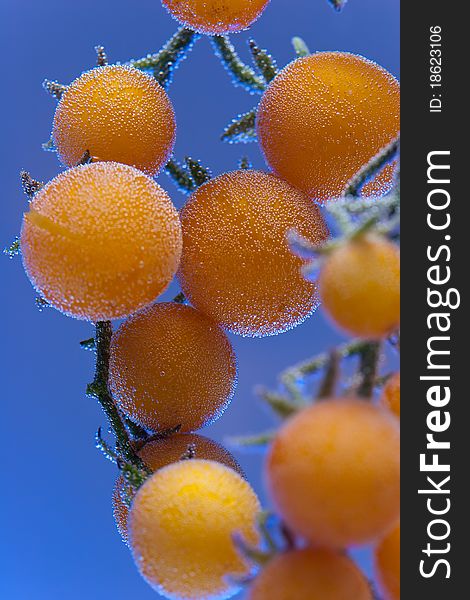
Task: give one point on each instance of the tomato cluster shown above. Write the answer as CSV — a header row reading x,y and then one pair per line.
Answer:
x,y
103,240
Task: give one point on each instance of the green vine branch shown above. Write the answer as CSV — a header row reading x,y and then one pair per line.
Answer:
x,y
369,362
187,177
180,298
277,402
241,73
41,303
259,440
13,249
99,389
30,186
327,386
300,47
163,64
199,174
54,88
101,56
242,129
88,344
244,163
105,448
180,176
291,376
134,475
264,62
372,168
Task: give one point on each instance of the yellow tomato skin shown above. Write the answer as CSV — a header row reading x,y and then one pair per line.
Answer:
x,y
360,287
323,117
387,563
181,525
237,266
100,241
333,472
216,16
310,574
170,366
157,454
118,114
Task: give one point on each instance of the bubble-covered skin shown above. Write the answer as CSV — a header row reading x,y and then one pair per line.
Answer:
x,y
310,574
171,365
100,241
333,472
360,287
236,265
387,564
117,113
181,525
216,16
325,116
157,454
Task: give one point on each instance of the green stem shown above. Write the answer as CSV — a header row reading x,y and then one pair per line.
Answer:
x,y
369,360
313,365
259,440
108,452
278,403
101,57
372,168
30,186
162,64
180,176
41,303
13,249
88,344
54,88
136,430
99,389
199,174
300,47
180,298
241,73
242,129
328,383
264,61
245,163
134,475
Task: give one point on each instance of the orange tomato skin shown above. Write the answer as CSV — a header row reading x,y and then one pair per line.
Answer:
x,y
157,454
237,266
181,525
333,472
118,114
387,563
325,116
216,16
171,365
391,394
360,287
310,575
100,241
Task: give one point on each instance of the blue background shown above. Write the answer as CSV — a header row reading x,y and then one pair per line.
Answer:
x,y
58,535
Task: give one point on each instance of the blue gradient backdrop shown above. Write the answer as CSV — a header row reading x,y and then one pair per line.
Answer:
x,y
58,535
